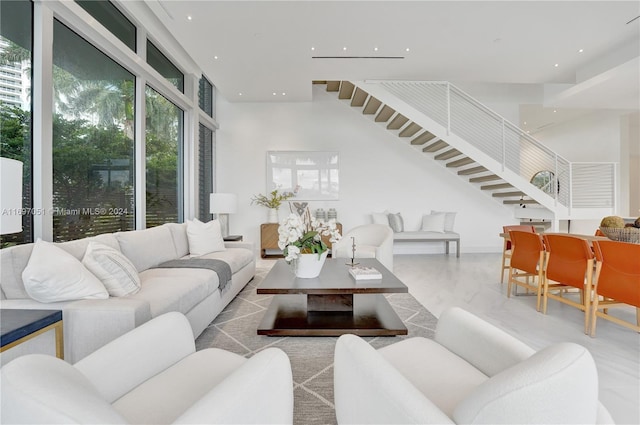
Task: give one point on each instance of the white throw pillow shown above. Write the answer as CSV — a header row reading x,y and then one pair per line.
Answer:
x,y
433,223
53,275
204,237
449,219
115,271
380,218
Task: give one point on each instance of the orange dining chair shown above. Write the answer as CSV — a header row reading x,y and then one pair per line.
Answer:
x,y
617,281
569,265
506,248
527,260
599,233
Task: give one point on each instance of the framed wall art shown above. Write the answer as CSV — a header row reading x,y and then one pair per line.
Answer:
x,y
311,175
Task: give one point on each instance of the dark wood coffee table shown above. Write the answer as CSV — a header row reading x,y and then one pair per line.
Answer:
x,y
331,304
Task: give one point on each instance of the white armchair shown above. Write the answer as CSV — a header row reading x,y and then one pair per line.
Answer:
x,y
372,241
472,372
150,375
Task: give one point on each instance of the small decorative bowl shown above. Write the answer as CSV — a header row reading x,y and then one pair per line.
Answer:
x,y
622,234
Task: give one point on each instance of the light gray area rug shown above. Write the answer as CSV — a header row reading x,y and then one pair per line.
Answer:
x,y
311,357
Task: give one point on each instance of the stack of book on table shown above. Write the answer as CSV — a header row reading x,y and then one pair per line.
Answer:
x,y
365,273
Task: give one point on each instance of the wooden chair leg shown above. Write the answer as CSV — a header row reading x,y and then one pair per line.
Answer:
x,y
594,317
509,282
545,297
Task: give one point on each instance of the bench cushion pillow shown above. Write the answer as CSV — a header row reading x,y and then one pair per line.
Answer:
x,y
53,275
396,222
380,218
433,223
449,219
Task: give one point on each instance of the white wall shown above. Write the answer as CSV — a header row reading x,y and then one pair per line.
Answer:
x,y
592,137
595,137
378,171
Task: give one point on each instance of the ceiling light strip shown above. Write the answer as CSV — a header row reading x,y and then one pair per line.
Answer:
x,y
357,57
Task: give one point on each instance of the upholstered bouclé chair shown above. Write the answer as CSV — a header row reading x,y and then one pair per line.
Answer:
x,y
151,375
471,373
372,241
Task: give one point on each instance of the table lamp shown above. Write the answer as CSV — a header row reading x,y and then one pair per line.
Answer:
x,y
10,196
223,204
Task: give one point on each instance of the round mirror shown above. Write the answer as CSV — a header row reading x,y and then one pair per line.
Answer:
x,y
543,180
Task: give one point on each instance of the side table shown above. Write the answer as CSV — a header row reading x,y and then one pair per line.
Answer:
x,y
18,326
269,238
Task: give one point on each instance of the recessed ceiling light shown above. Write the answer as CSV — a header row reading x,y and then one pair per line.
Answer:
x,y
406,50
525,123
557,65
375,49
554,111
313,48
344,48
581,50
284,94
189,17
215,57
239,94
274,93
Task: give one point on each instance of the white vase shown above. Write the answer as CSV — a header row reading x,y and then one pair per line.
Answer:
x,y
273,215
309,265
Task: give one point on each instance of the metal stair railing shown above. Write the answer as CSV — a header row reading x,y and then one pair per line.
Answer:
x,y
507,144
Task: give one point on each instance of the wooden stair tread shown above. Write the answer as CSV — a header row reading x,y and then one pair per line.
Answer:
x,y
372,106
472,170
359,97
435,146
508,194
333,85
397,122
496,186
488,178
423,138
384,114
519,201
410,130
460,162
346,90
447,154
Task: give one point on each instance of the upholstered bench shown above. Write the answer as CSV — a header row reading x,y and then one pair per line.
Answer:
x,y
435,227
426,236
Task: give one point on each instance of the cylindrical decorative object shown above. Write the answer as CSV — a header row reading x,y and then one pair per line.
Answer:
x,y
332,214
273,215
321,214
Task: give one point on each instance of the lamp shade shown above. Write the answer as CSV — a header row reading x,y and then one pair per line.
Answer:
x,y
223,203
10,196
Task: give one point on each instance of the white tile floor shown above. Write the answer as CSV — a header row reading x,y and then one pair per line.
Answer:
x,y
473,282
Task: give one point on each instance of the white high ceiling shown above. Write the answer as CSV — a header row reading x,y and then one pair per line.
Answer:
x,y
265,47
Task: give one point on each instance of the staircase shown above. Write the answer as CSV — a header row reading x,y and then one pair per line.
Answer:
x,y
480,146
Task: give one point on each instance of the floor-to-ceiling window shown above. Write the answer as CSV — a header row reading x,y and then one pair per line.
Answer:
x,y
206,148
96,128
16,103
163,147
93,140
205,171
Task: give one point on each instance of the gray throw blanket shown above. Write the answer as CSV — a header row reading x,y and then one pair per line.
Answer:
x,y
220,267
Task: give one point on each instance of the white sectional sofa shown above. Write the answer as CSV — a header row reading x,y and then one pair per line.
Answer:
x,y
91,323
